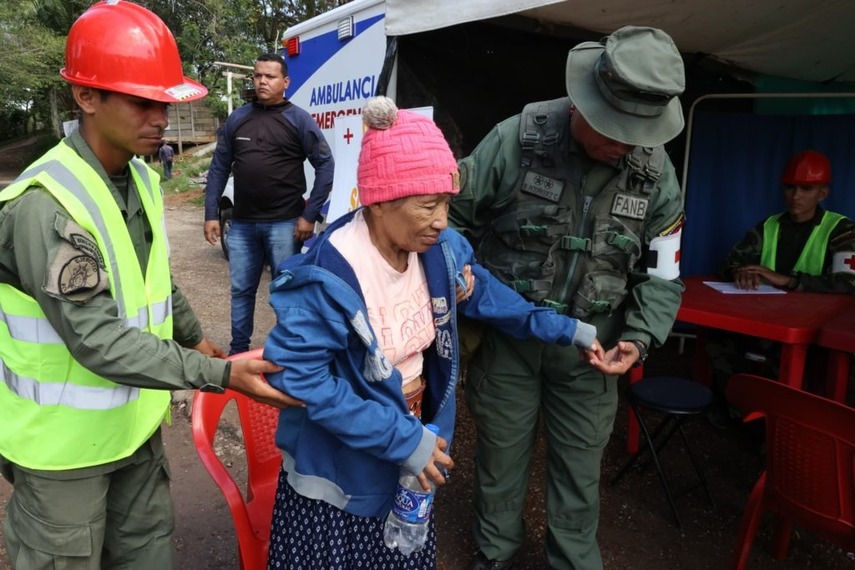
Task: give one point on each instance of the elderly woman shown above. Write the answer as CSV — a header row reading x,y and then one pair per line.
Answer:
x,y
367,333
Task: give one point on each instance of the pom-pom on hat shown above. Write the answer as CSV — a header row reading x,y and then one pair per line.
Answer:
x,y
403,154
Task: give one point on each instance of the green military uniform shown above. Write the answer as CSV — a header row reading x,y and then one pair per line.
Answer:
x,y
560,237
63,517
792,245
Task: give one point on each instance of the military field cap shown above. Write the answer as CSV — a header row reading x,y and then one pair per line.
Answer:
x,y
627,86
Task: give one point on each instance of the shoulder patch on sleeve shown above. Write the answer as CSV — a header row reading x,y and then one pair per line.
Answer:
x,y
76,272
79,238
80,272
466,168
88,246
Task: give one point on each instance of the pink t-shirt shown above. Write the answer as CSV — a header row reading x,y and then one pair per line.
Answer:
x,y
399,307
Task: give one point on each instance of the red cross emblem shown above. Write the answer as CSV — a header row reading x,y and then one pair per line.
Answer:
x,y
348,135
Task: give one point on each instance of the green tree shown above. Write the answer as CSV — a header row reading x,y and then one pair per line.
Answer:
x,y
32,55
206,31
54,15
232,31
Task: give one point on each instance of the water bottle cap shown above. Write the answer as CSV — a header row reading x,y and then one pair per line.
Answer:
x,y
433,427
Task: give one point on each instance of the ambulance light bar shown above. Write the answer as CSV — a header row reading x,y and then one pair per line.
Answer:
x,y
345,28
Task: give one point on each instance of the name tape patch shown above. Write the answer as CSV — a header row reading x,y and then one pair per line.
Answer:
x,y
88,247
627,206
542,186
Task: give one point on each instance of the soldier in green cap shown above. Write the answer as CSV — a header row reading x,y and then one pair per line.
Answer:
x,y
575,204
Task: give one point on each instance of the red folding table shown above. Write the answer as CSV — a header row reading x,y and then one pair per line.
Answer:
x,y
838,335
794,319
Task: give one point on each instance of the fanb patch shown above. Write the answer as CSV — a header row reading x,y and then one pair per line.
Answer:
x,y
542,186
80,273
627,206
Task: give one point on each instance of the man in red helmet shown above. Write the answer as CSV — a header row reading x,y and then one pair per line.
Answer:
x,y
805,248
93,332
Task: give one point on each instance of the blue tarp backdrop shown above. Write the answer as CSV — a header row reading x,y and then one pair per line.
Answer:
x,y
734,175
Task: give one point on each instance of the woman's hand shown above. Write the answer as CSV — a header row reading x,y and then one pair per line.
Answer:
x,y
431,471
468,280
595,353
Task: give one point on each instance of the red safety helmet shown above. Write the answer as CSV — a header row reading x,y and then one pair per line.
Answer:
x,y
808,168
121,46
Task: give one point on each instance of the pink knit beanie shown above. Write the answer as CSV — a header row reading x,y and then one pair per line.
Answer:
x,y
403,154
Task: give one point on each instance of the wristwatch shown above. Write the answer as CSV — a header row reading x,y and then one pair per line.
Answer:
x,y
793,282
642,352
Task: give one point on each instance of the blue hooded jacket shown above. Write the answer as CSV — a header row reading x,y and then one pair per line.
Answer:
x,y
349,444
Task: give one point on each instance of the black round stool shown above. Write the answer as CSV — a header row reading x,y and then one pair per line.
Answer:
x,y
677,398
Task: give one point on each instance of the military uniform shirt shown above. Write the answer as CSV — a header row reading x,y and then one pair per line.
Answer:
x,y
488,179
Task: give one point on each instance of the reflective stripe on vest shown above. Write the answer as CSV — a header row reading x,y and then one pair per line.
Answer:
x,y
812,258
35,329
53,394
38,330
45,394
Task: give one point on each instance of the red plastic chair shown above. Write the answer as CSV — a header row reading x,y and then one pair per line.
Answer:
x,y
810,466
252,515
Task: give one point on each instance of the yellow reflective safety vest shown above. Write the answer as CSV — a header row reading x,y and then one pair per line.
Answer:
x,y
54,413
812,258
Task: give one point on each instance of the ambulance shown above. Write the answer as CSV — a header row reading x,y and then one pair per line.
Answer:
x,y
334,61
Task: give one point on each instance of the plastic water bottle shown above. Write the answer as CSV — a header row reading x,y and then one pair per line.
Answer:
x,y
407,524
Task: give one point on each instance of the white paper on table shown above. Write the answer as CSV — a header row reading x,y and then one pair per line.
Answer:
x,y
732,289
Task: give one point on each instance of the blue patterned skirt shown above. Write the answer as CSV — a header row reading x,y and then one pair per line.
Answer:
x,y
308,534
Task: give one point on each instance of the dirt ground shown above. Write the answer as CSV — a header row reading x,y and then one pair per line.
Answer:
x,y
636,529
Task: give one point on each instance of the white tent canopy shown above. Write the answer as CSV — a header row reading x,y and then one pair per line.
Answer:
x,y
803,39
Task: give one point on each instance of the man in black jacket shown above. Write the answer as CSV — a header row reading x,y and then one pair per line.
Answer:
x,y
265,144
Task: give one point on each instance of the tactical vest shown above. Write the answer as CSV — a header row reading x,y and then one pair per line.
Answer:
x,y
54,413
812,258
557,245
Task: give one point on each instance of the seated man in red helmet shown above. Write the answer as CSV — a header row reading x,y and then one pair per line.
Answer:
x,y
93,332
805,248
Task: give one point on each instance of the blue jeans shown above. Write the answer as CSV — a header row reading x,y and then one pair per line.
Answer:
x,y
167,169
252,245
